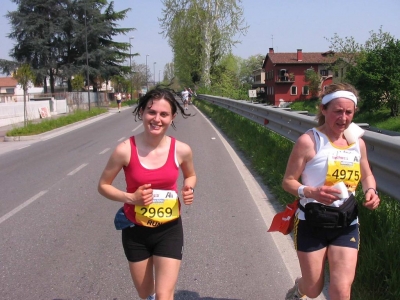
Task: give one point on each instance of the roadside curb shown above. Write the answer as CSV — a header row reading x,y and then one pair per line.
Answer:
x,y
56,131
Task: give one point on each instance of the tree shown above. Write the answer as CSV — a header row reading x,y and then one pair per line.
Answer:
x,y
248,65
51,36
377,77
218,22
347,50
78,82
24,76
371,68
314,81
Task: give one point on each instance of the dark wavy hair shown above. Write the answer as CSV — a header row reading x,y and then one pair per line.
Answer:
x,y
156,94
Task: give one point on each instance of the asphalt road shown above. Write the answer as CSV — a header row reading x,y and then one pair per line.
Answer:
x,y
58,239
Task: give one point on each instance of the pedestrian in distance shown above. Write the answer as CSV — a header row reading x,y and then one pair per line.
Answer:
x,y
190,96
331,160
152,233
185,98
119,100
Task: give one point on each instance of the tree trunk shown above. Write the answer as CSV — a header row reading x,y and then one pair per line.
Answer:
x,y
69,85
205,77
25,113
45,85
52,82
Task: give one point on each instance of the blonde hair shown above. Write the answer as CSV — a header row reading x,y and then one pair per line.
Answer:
x,y
341,86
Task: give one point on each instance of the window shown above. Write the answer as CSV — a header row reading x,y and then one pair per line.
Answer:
x,y
306,90
324,72
293,90
10,90
283,75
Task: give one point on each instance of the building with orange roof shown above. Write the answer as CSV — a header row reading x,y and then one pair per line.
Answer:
x,y
285,75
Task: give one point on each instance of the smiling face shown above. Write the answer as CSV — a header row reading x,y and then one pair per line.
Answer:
x,y
338,115
157,116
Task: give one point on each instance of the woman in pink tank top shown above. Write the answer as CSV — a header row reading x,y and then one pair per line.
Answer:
x,y
152,233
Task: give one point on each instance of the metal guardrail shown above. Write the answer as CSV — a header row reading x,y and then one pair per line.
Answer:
x,y
383,150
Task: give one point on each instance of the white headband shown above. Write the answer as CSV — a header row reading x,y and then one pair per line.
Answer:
x,y
339,94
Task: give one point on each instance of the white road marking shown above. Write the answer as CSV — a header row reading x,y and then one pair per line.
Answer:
x,y
104,151
122,139
24,147
20,207
136,128
77,169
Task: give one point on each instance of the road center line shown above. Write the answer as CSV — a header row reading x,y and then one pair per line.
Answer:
x,y
104,151
24,147
136,128
121,139
77,169
18,208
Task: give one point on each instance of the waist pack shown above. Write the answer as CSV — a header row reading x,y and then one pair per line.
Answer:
x,y
319,215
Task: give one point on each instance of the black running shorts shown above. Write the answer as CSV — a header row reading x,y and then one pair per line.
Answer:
x,y
308,238
142,242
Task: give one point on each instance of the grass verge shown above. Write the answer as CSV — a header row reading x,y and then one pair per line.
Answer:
x,y
268,153
50,124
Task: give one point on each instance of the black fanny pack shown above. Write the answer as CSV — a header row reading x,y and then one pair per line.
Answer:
x,y
319,215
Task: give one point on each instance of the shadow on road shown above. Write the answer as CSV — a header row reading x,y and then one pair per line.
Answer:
x,y
188,295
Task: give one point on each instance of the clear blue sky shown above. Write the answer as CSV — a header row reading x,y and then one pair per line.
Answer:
x,y
300,24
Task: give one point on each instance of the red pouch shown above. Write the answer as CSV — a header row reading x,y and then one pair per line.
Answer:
x,y
283,221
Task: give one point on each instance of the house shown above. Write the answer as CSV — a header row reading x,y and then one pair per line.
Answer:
x,y
259,81
11,91
7,89
285,75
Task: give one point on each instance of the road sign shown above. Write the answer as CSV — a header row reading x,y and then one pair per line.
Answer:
x,y
252,94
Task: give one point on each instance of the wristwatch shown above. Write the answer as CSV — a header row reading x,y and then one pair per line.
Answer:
x,y
376,192
300,191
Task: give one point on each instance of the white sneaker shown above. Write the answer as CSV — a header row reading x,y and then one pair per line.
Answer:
x,y
151,297
293,293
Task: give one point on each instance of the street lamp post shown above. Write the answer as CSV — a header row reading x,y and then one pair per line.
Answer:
x,y
154,69
147,83
130,63
87,59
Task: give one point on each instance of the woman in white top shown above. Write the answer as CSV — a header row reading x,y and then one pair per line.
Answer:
x,y
323,157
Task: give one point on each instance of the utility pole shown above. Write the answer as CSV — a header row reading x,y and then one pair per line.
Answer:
x,y
159,71
147,83
130,63
154,69
87,60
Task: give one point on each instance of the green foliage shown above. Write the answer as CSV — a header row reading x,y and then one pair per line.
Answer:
x,y
212,24
372,68
78,82
378,256
248,65
314,81
51,36
24,75
50,124
309,105
377,77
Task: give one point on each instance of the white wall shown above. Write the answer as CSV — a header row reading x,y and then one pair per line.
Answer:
x,y
13,112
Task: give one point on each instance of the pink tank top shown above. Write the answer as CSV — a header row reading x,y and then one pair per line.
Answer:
x,y
163,178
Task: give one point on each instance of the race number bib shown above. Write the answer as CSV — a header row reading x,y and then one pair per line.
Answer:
x,y
343,166
165,208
